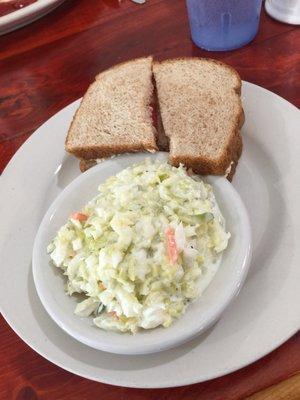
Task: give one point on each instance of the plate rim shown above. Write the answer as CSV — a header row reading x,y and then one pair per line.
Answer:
x,y
27,11
26,15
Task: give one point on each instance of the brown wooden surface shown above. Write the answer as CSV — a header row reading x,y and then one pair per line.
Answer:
x,y
50,63
286,390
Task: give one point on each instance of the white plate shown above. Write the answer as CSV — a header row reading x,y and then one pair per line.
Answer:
x,y
26,15
264,315
200,315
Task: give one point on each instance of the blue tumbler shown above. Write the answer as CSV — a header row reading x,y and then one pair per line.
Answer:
x,y
220,25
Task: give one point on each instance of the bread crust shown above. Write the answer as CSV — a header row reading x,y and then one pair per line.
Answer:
x,y
211,60
84,165
103,151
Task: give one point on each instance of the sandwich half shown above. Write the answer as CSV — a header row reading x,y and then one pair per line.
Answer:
x,y
115,114
201,112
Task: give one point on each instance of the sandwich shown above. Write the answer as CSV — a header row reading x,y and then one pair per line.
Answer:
x,y
190,107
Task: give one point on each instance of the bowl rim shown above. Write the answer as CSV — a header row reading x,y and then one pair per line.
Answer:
x,y
144,348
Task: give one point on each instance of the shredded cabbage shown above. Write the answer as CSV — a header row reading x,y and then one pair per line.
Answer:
x,y
145,246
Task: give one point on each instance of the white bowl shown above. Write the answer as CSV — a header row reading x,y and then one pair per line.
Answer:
x,y
200,315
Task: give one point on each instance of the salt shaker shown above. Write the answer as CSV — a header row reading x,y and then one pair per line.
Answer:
x,y
284,10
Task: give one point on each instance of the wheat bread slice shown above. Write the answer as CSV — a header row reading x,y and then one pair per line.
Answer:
x,y
115,114
201,111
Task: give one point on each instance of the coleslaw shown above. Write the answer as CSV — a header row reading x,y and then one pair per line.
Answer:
x,y
145,247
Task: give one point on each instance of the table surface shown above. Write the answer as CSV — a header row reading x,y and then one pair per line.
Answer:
x,y
49,64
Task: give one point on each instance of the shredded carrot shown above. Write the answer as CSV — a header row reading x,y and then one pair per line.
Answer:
x,y
79,216
113,314
101,286
171,245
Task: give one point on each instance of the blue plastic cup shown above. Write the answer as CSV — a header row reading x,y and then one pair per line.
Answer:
x,y
219,25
